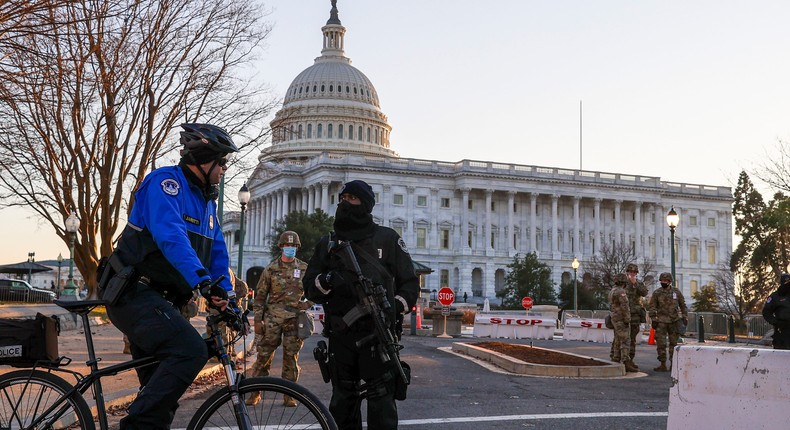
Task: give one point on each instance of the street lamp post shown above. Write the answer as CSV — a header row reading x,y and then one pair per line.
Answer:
x,y
60,262
575,264
72,224
672,220
31,258
244,198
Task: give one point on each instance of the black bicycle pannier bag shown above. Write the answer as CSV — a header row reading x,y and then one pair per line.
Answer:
x,y
23,342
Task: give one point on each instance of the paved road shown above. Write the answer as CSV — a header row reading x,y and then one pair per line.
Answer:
x,y
454,392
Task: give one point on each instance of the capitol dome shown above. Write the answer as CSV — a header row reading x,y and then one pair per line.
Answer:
x,y
330,107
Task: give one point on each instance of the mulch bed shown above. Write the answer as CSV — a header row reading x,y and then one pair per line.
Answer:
x,y
537,355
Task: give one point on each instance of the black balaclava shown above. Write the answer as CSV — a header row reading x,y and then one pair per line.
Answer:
x,y
355,222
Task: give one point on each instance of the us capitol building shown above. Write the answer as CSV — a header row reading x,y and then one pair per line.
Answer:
x,y
466,220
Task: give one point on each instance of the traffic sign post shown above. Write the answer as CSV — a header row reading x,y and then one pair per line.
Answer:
x,y
446,297
527,303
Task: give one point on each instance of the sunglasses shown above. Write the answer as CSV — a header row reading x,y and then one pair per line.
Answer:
x,y
222,162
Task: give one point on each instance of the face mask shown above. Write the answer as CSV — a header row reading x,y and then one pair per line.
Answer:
x,y
665,285
289,252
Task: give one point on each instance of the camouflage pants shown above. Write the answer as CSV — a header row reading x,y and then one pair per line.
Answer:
x,y
227,336
636,327
276,332
621,343
664,332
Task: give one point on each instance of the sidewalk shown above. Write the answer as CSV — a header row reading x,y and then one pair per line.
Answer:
x,y
108,344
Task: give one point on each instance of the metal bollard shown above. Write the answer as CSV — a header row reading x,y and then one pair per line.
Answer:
x,y
701,329
731,329
413,329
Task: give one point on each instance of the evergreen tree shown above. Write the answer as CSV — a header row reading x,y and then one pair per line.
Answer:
x,y
586,298
528,277
310,229
705,300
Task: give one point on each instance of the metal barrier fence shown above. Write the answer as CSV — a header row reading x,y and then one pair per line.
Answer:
x,y
715,323
25,296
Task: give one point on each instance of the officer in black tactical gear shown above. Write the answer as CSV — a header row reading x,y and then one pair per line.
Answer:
x,y
384,259
777,312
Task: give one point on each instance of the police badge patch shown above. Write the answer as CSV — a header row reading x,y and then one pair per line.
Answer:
x,y
403,245
170,187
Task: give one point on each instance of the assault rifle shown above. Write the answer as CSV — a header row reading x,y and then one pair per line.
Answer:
x,y
372,300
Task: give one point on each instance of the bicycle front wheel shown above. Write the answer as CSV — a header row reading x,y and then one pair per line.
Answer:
x,y
27,399
269,412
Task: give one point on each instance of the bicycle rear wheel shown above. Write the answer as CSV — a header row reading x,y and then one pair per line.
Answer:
x,y
270,412
25,397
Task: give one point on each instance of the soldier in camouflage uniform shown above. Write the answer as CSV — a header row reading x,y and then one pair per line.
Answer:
x,y
635,290
666,308
240,288
621,319
278,301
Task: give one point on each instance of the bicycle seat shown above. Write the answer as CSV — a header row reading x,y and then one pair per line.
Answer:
x,y
81,307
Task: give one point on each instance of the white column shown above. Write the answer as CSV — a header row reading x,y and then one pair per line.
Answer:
x,y
385,204
311,199
577,234
618,222
597,241
511,231
434,243
325,196
464,219
639,246
304,196
267,223
409,233
487,225
533,222
555,246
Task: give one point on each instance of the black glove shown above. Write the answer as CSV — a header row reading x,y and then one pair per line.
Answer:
x,y
654,324
207,290
329,280
685,321
399,309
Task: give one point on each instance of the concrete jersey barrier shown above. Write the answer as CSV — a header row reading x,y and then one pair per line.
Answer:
x,y
514,326
587,329
729,388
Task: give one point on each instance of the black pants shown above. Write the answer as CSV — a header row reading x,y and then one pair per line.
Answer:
x,y
155,327
349,366
781,338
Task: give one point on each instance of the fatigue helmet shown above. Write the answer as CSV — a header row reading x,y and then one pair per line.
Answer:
x,y
784,279
666,276
289,238
620,279
205,142
632,267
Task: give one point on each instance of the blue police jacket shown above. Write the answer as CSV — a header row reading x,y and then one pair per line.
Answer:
x,y
172,218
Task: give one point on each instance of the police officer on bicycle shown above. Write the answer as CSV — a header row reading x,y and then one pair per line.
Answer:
x,y
174,244
383,258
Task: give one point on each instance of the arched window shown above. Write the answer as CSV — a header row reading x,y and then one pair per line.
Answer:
x,y
331,88
329,131
359,133
291,134
299,132
350,132
322,88
320,131
314,88
355,90
309,131
340,131
347,89
378,131
368,134
300,90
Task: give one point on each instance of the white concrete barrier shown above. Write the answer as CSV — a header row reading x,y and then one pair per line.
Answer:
x,y
514,326
587,329
729,388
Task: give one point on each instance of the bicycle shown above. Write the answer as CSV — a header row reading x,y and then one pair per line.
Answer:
x,y
38,398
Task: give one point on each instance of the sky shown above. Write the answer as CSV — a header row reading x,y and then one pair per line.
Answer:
x,y
691,92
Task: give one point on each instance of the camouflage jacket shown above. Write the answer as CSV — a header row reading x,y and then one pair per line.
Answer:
x,y
635,292
279,292
667,305
618,305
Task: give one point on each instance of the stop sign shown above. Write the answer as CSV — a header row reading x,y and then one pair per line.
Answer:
x,y
446,296
526,302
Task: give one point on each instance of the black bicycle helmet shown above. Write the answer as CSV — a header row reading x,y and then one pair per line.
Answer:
x,y
205,142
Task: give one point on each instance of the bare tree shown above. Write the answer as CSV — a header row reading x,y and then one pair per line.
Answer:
x,y
739,293
92,91
776,170
612,260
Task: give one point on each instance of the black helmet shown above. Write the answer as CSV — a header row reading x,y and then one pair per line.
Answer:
x,y
205,142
